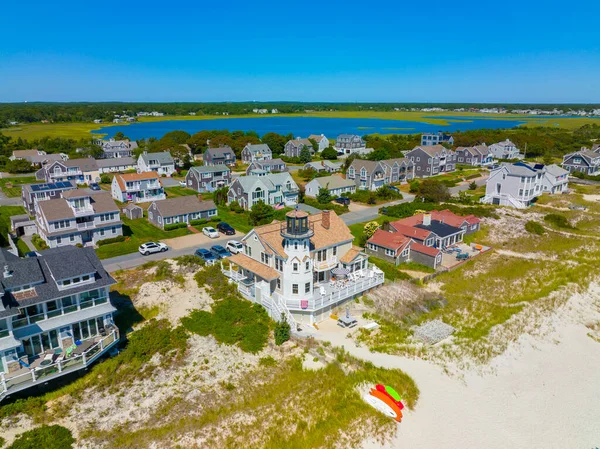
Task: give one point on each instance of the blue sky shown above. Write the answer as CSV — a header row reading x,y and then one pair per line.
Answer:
x,y
434,51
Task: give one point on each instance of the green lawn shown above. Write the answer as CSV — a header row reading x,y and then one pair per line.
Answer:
x,y
22,247
15,190
176,191
5,213
139,231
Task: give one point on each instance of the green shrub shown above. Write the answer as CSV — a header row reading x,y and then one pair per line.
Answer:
x,y
199,222
163,270
233,321
105,179
473,176
282,331
234,206
337,208
267,361
173,226
47,437
560,221
534,227
119,238
39,243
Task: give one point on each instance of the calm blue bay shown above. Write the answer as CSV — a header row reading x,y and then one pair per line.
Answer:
x,y
303,126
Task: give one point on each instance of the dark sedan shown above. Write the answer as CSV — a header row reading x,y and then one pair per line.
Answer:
x,y
219,252
225,228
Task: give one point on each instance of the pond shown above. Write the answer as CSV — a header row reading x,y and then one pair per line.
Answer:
x,y
304,126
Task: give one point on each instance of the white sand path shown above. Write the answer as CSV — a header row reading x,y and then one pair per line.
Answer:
x,y
537,394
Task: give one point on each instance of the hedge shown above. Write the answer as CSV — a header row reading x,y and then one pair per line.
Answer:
x,y
171,227
203,221
117,239
337,208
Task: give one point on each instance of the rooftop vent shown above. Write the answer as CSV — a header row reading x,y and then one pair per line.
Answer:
x,y
7,273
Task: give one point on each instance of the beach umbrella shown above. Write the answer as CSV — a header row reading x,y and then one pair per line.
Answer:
x,y
340,271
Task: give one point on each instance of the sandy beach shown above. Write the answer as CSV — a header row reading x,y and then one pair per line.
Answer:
x,y
541,392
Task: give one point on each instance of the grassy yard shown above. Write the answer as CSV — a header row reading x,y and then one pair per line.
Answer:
x,y
15,190
176,191
139,231
5,213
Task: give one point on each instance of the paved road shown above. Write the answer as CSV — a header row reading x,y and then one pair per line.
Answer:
x,y
371,213
135,259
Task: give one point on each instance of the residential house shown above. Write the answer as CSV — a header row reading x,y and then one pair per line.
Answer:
x,y
258,152
182,209
219,156
55,316
137,187
420,237
294,147
335,185
161,163
429,139
208,178
321,140
431,160
555,180
583,161
324,166
268,166
79,171
290,267
117,148
371,175
79,217
349,143
476,156
505,150
116,165
516,185
37,158
133,211
272,189
32,193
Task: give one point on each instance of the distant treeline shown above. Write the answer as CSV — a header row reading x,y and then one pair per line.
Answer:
x,y
85,112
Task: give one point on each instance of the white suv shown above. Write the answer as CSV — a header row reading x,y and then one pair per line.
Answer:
x,y
152,247
234,247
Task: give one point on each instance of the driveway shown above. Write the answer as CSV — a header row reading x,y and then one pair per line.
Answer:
x,y
178,246
465,185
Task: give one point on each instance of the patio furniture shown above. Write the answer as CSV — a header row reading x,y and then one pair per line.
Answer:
x,y
322,291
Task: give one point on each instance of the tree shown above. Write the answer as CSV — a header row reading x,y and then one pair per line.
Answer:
x,y
370,228
275,141
260,214
19,166
282,331
220,196
305,155
314,144
329,154
323,197
179,153
547,159
433,191
472,185
198,142
120,136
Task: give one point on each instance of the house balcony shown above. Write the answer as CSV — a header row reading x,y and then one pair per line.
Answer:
x,y
324,265
139,186
86,225
83,304
82,210
332,293
53,365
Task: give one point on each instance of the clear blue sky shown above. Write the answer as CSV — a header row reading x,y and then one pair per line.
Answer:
x,y
430,51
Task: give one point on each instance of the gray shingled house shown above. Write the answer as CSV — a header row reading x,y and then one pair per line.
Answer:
x,y
256,152
219,156
182,209
208,178
431,160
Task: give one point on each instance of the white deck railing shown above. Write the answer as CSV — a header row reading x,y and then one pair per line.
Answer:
x,y
41,374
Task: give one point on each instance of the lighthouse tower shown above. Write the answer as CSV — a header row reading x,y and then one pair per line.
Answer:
x,y
297,270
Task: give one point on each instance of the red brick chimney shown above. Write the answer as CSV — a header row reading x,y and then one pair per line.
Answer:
x,y
326,219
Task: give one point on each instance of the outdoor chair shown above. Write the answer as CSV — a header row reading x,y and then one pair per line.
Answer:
x,y
322,291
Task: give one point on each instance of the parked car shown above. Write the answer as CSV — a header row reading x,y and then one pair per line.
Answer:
x,y
152,247
206,255
343,201
182,184
220,252
210,232
234,246
225,228
95,186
